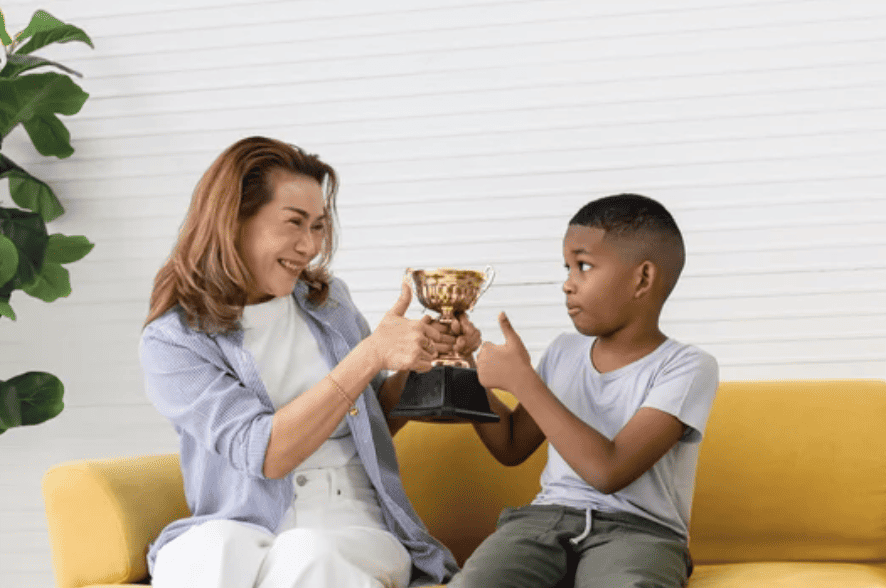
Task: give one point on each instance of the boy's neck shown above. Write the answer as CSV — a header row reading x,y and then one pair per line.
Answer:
x,y
611,352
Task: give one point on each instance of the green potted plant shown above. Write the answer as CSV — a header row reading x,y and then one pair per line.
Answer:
x,y
31,259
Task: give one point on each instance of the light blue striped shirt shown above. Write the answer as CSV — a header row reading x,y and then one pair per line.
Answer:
x,y
209,387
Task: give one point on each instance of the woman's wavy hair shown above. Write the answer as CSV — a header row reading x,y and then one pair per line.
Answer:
x,y
205,274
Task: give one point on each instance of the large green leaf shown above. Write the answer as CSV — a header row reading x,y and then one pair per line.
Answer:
x,y
18,64
29,192
33,100
41,21
6,309
49,135
45,29
53,282
5,292
30,398
10,407
28,231
6,165
8,260
4,36
66,249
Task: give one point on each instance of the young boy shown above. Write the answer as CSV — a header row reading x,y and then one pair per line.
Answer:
x,y
622,406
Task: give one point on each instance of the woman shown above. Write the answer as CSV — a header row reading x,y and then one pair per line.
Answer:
x,y
272,380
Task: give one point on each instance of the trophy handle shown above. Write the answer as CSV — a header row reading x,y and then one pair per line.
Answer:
x,y
488,277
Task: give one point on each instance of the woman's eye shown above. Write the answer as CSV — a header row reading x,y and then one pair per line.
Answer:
x,y
318,228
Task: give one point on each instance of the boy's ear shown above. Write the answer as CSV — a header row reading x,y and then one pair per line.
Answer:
x,y
645,276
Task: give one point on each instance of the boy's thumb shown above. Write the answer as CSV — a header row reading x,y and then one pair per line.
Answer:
x,y
504,324
402,303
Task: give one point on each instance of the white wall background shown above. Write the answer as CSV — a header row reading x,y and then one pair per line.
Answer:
x,y
467,133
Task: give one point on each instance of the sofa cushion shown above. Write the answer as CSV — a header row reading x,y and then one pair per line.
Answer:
x,y
789,575
792,470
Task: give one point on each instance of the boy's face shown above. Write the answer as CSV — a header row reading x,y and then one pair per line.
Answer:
x,y
600,285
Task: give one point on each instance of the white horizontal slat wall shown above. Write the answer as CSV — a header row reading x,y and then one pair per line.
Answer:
x,y
466,134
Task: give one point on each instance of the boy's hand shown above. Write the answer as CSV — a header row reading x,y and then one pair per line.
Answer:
x,y
468,338
462,332
504,366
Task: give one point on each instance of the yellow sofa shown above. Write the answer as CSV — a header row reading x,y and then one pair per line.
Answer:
x,y
790,493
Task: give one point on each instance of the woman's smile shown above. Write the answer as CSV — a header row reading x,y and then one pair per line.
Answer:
x,y
291,266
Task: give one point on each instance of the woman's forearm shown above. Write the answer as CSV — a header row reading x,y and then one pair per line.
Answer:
x,y
302,425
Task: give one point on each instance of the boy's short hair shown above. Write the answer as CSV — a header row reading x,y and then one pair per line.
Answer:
x,y
641,229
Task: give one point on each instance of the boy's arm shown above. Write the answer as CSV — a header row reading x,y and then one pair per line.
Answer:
x,y
606,465
389,395
514,438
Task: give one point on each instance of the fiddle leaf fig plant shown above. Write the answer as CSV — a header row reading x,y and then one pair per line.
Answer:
x,y
31,259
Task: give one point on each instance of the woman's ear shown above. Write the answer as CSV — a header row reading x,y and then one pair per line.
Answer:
x,y
645,277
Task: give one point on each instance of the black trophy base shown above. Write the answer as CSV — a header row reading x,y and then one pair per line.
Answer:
x,y
446,394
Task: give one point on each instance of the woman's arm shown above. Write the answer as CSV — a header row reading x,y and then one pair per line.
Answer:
x,y
301,426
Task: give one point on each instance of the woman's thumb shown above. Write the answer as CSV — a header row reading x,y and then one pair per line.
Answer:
x,y
402,303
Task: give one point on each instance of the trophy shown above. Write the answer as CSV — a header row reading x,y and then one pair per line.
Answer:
x,y
451,391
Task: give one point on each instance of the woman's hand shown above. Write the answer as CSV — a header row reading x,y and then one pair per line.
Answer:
x,y
399,343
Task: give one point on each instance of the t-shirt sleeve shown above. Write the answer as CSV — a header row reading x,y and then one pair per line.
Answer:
x,y
685,388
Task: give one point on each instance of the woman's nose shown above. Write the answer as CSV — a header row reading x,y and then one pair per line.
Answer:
x,y
307,245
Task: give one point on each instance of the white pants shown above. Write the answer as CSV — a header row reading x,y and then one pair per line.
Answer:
x,y
331,537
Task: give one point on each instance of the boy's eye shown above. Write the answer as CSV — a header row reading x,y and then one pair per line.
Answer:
x,y
318,228
582,266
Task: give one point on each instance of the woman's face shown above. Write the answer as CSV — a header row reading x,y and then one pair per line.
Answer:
x,y
282,238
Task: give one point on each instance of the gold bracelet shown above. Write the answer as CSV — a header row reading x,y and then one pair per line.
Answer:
x,y
353,410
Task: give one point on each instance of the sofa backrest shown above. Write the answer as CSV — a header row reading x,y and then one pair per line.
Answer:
x,y
793,470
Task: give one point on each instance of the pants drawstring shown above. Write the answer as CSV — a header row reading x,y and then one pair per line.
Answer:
x,y
586,532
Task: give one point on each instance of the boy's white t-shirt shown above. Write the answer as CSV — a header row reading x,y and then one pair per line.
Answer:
x,y
289,362
678,379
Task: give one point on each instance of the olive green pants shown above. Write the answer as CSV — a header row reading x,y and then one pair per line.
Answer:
x,y
550,546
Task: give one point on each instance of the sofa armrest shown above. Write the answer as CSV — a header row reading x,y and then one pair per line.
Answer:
x,y
103,514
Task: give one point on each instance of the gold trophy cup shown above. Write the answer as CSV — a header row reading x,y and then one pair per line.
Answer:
x,y
451,391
